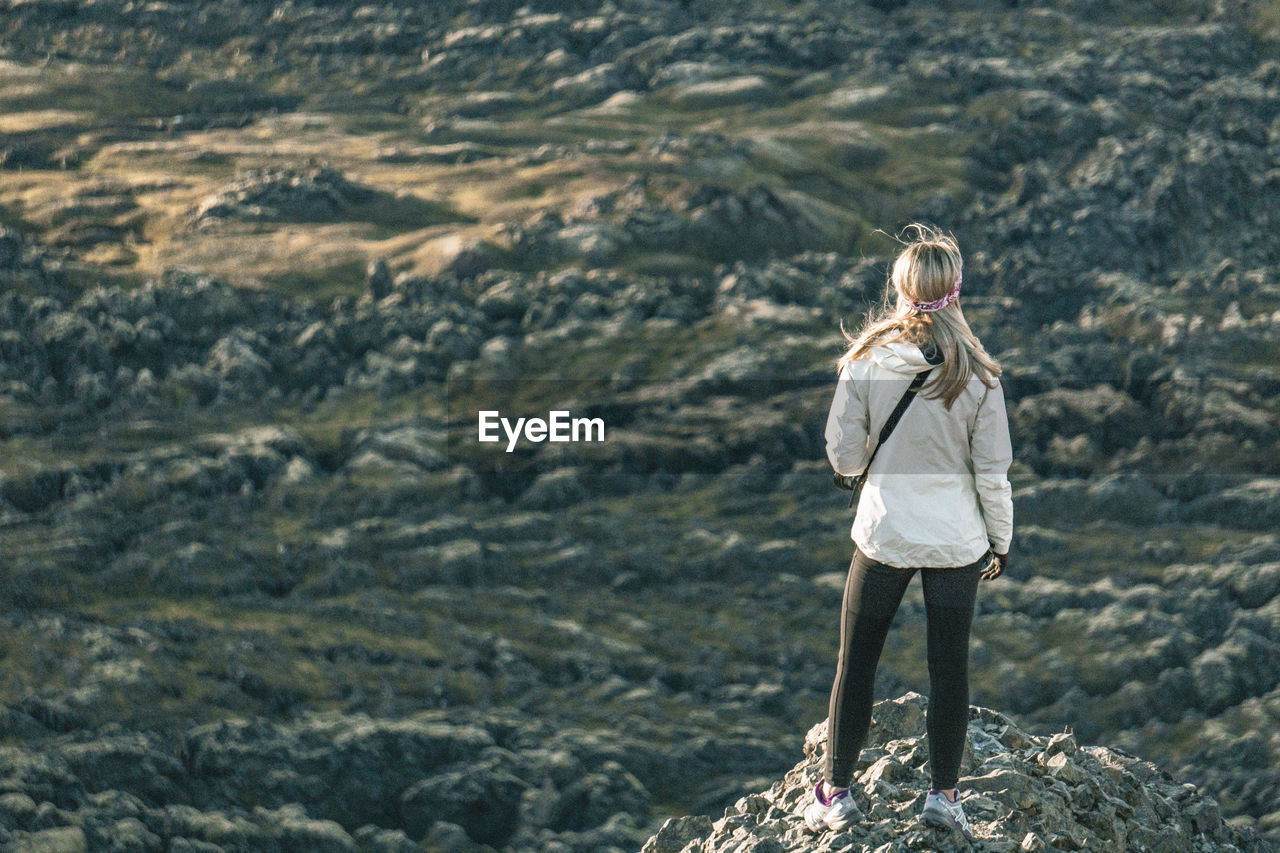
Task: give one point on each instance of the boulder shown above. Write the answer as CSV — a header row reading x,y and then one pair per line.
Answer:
x,y
734,91
478,798
1255,505
314,194
1021,791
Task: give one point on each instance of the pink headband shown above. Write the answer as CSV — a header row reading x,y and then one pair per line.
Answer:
x,y
938,304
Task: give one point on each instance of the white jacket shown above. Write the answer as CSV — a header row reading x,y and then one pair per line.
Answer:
x,y
938,493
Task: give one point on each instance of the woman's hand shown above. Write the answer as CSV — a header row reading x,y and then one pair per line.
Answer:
x,y
994,569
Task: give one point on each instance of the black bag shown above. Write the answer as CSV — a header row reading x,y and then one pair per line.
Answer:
x,y
855,482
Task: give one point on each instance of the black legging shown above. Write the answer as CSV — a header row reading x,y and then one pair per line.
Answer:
x,y
871,598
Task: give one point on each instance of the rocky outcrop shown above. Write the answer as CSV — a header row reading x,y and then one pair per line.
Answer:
x,y
337,782
319,194
29,267
1021,792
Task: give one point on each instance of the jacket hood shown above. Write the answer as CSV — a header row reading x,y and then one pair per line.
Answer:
x,y
900,357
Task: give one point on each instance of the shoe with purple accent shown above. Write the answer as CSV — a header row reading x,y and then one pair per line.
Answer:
x,y
939,811
830,812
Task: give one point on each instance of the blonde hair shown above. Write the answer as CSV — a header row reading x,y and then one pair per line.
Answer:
x,y
926,270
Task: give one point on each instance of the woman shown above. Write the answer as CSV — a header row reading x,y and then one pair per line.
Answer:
x,y
937,501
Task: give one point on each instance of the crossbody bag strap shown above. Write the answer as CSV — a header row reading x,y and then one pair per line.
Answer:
x,y
894,416
898,411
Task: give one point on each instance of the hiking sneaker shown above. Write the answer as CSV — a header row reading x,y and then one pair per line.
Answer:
x,y
944,814
835,812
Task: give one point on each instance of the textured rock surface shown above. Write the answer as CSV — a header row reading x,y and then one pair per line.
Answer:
x,y
314,195
1021,792
343,783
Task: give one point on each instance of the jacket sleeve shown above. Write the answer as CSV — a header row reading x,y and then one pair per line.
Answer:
x,y
846,431
992,453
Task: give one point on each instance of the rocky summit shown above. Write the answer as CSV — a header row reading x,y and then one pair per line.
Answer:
x,y
1020,791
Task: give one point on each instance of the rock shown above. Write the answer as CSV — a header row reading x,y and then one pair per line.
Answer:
x,y
65,839
128,763
378,279
903,717
17,810
1108,417
592,85
886,769
484,104
48,816
554,490
591,800
458,563
1061,767
677,833
463,255
599,244
477,798
375,840
295,832
453,342
212,829
1128,498
1252,506
191,845
450,838
712,94
853,101
418,446
1014,805
237,363
357,778
11,245
1051,500
506,300
1032,540
728,224
1032,843
1006,785
1062,743
316,194
129,835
